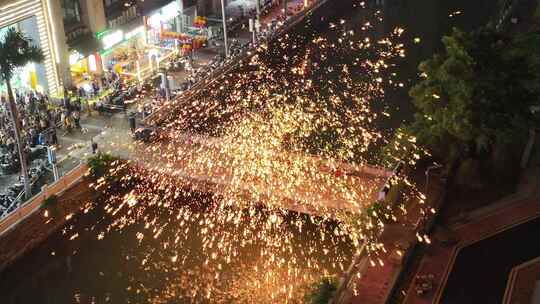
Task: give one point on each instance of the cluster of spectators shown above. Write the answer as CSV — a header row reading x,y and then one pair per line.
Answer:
x,y
93,88
38,128
153,101
36,118
39,120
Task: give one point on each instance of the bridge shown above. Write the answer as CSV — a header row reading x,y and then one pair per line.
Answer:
x,y
293,181
277,179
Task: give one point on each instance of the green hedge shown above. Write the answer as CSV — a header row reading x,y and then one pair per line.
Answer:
x,y
49,202
322,291
100,163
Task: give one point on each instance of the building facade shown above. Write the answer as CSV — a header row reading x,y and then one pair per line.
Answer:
x,y
35,18
77,36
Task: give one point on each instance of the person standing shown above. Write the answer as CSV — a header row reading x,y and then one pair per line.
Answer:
x,y
94,146
54,138
77,119
132,122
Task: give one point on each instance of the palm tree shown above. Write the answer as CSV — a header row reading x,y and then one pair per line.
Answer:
x,y
16,51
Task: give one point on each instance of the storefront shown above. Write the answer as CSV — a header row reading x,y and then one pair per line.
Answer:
x,y
122,49
84,69
84,59
136,50
164,19
164,31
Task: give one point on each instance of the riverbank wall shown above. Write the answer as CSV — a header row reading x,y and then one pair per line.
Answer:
x,y
31,224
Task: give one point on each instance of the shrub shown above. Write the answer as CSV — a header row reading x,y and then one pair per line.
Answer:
x,y
322,291
49,202
100,163
468,174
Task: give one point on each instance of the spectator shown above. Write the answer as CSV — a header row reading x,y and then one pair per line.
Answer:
x,y
94,146
95,88
77,119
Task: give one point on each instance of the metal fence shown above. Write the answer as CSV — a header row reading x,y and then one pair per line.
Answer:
x,y
30,206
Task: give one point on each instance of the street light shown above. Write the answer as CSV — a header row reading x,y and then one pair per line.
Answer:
x,y
258,8
428,171
225,43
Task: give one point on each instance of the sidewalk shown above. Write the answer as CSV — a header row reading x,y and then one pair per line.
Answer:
x,y
375,282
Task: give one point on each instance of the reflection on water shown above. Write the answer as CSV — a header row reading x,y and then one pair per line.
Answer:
x,y
163,256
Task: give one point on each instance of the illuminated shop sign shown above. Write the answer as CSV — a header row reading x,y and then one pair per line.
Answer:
x,y
165,14
111,39
74,57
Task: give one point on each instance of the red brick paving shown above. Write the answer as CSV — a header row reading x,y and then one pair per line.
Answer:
x,y
376,281
439,258
522,287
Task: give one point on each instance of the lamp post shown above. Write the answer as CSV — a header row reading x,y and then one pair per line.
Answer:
x,y
180,17
258,22
428,171
258,8
225,43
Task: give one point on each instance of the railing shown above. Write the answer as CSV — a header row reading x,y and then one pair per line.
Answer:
x,y
32,205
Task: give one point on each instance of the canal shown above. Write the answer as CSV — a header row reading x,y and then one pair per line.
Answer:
x,y
190,248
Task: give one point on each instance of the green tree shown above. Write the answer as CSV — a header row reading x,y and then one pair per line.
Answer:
x,y
16,51
474,95
322,291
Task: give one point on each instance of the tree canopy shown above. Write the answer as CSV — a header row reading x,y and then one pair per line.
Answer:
x,y
475,94
16,50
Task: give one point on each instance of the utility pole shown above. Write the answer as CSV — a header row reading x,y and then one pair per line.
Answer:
x,y
252,29
258,8
180,17
225,43
258,23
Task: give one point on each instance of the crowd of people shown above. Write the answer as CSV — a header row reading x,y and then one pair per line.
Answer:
x,y
37,121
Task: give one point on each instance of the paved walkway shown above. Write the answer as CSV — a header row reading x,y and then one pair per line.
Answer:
x,y
522,283
377,280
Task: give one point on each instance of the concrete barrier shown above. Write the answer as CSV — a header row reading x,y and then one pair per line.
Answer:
x,y
29,207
